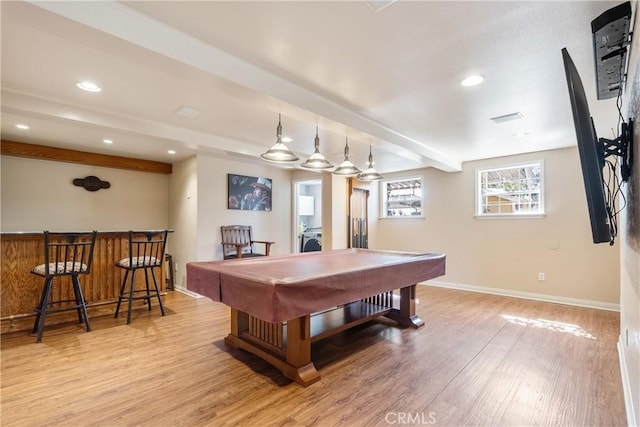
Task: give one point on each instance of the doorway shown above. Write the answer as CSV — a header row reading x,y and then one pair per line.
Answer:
x,y
359,218
308,214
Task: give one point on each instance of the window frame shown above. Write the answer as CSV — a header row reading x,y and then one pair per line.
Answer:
x,y
383,197
479,214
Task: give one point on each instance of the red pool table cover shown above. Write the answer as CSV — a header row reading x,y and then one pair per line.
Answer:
x,y
282,287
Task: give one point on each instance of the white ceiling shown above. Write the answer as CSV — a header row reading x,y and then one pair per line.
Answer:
x,y
389,78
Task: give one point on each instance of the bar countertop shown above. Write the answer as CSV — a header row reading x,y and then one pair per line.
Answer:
x,y
33,233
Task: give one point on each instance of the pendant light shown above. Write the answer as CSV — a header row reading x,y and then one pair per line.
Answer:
x,y
279,152
317,160
370,174
346,168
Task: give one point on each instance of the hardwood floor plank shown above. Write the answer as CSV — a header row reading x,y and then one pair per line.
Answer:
x,y
543,375
480,360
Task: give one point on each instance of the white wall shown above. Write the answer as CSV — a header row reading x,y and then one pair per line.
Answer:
x,y
508,254
199,208
183,215
629,344
39,195
335,188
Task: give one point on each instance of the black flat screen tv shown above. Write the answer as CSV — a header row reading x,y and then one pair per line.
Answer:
x,y
591,154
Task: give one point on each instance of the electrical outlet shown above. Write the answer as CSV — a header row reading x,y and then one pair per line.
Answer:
x,y
175,267
541,277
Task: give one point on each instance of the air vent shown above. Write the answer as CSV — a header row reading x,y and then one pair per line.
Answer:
x,y
507,118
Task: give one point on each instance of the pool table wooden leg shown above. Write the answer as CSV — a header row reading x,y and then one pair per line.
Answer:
x,y
300,367
406,315
296,363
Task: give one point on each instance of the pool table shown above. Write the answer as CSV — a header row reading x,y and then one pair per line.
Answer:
x,y
281,304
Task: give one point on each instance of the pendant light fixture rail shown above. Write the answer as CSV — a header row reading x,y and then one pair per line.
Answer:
x,y
279,153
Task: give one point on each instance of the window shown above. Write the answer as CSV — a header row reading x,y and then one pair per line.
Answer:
x,y
402,198
510,191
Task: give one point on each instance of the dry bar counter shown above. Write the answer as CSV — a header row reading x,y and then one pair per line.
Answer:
x,y
282,304
20,291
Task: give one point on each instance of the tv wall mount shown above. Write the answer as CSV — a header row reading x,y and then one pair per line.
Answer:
x,y
611,39
622,147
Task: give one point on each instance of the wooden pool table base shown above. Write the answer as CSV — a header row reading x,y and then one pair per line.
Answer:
x,y
287,345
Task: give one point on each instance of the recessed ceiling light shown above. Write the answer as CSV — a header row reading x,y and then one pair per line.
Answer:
x,y
171,151
472,80
521,134
21,126
107,141
89,86
286,139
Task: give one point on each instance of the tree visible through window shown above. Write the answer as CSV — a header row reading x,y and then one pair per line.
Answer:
x,y
513,190
402,197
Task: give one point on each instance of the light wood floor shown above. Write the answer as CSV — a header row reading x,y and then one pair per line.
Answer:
x,y
480,360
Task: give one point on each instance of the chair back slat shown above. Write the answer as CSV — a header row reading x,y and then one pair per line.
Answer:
x,y
68,253
238,234
147,247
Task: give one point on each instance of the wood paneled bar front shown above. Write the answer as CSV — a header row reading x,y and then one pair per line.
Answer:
x,y
20,290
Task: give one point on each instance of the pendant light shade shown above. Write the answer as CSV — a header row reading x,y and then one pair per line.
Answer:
x,y
347,168
317,161
279,152
370,174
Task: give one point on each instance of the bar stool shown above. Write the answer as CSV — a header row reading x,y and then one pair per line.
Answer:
x,y
146,252
65,254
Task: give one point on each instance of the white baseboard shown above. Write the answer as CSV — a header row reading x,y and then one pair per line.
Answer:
x,y
189,293
626,386
526,295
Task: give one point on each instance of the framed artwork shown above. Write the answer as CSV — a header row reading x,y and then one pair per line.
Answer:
x,y
248,193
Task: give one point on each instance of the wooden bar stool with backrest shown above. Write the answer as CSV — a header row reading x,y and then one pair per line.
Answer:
x,y
237,242
146,252
65,254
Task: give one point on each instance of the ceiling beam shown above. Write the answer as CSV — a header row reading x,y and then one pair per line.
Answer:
x,y
42,152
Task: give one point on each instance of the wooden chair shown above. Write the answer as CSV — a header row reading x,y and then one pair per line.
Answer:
x,y
237,242
146,252
65,254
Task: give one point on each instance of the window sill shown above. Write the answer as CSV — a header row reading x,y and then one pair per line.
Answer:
x,y
400,217
511,216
